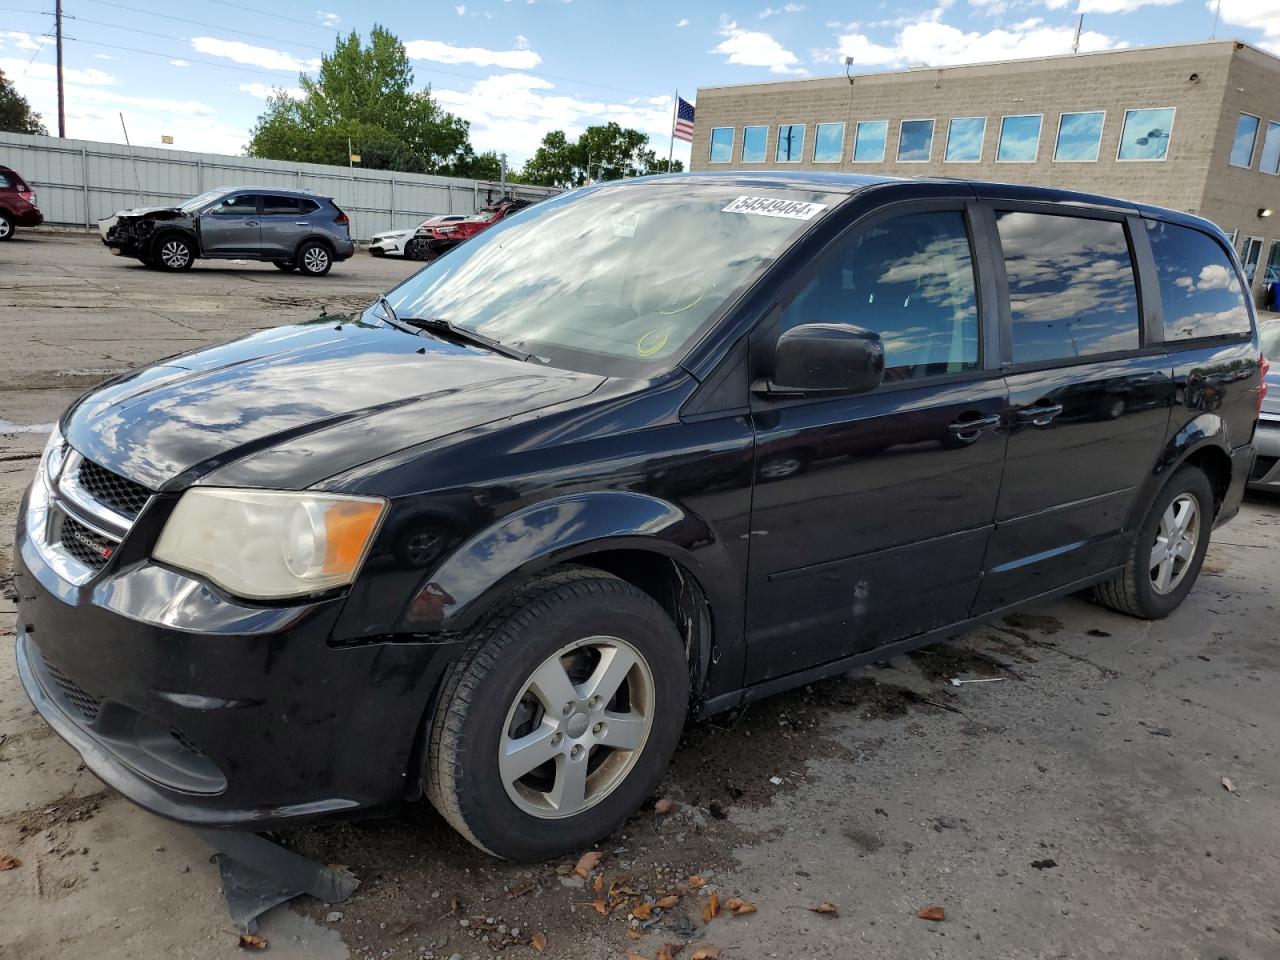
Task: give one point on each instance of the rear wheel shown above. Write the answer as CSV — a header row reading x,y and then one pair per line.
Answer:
x,y
416,249
6,226
1167,552
314,259
173,252
285,265
560,718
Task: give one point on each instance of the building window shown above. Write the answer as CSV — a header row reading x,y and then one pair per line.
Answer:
x,y
1249,257
790,143
1200,294
753,144
1245,139
964,139
1019,139
828,143
915,141
1079,137
1145,135
869,137
1269,162
722,144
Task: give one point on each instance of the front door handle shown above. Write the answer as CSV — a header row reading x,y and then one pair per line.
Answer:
x,y
1040,415
302,223
961,428
251,223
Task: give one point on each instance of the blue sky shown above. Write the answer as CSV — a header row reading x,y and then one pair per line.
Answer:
x,y
517,68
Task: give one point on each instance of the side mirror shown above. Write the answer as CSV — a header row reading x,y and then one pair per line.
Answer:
x,y
816,358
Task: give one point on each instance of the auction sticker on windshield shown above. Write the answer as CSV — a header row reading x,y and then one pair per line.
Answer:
x,y
770,207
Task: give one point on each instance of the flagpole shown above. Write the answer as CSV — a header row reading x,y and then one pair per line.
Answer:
x,y
671,148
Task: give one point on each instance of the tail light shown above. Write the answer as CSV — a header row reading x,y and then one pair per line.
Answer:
x,y
342,218
1265,365
28,195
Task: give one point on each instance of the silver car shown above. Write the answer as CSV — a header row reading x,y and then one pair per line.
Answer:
x,y
1266,468
292,229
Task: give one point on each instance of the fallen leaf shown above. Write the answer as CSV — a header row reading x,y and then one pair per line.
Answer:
x,y
706,953
538,941
696,882
827,907
936,914
9,862
564,869
455,906
668,951
598,885
634,934
1231,787
588,862
643,912
251,941
601,907
521,890
743,908
664,806
669,901
712,909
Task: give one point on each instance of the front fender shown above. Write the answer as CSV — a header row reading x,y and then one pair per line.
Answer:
x,y
480,571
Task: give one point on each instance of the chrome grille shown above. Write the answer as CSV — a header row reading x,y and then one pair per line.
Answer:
x,y
90,548
122,495
86,704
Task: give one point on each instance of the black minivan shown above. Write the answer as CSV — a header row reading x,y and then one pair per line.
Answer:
x,y
645,449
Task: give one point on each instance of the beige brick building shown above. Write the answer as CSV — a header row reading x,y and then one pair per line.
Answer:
x,y
1195,127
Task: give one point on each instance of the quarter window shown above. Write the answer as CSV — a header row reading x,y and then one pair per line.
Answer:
x,y
721,144
753,144
911,281
828,142
1269,162
1146,133
915,141
1072,291
1019,139
1200,291
1079,137
790,143
1243,142
306,206
964,139
868,141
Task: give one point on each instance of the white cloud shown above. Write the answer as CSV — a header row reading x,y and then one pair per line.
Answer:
x,y
18,39
521,58
179,63
252,55
785,8
1120,6
17,69
939,44
460,10
682,22
328,19
264,91
103,56
753,48
1263,15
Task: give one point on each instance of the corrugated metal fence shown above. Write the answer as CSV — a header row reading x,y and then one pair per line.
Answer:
x,y
78,182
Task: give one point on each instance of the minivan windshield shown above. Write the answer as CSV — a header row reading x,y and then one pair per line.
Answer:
x,y
617,279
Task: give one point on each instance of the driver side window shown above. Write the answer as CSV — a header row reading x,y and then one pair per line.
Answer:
x,y
911,280
241,205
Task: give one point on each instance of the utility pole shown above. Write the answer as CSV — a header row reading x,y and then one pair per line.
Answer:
x,y
502,172
57,30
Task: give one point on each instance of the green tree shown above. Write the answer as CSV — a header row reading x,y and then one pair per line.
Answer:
x,y
364,94
604,152
16,115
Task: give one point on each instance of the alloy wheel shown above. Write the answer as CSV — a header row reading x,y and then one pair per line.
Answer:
x,y
175,254
315,260
5,228
1175,543
577,727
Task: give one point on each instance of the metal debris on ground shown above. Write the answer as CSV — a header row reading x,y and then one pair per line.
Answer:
x,y
956,681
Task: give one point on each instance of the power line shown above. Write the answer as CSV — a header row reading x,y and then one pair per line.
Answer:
x,y
194,23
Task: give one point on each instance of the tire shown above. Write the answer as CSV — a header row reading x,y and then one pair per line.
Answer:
x,y
6,226
314,259
416,249
488,699
285,265
173,252
1137,590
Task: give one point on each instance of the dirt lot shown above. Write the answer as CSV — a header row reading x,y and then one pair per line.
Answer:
x,y
1073,808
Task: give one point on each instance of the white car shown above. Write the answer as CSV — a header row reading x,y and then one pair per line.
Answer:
x,y
394,243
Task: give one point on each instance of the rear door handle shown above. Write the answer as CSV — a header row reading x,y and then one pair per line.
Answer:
x,y
251,223
1040,415
962,427
302,223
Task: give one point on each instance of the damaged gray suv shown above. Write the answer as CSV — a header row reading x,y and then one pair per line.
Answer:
x,y
292,229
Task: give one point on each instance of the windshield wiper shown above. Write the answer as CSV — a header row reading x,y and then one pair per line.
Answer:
x,y
442,327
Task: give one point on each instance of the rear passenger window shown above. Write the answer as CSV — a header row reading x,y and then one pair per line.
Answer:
x,y
910,280
279,206
1072,291
1200,291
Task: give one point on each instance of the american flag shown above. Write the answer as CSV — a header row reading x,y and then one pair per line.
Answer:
x,y
684,120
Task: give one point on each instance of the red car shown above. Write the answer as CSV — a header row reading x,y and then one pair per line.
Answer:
x,y
435,239
17,204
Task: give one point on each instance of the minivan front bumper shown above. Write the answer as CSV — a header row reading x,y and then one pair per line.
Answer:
x,y
217,728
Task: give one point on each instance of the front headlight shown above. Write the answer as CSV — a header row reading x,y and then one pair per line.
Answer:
x,y
264,544
55,452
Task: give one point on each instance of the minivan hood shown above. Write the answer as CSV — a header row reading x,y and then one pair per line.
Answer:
x,y
358,391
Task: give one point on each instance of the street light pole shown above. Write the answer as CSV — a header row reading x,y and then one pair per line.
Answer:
x,y
57,30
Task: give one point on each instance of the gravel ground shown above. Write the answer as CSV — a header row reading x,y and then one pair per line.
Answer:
x,y
1074,807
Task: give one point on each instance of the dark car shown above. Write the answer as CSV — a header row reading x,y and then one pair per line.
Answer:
x,y
291,229
494,539
433,239
18,206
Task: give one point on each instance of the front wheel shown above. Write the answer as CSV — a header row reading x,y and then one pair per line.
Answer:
x,y
314,259
174,253
559,720
1167,551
